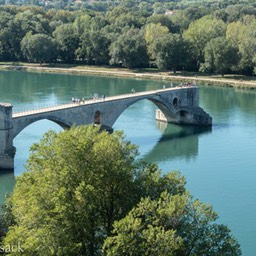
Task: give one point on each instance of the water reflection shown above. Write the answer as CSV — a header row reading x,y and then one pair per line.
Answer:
x,y
176,142
7,181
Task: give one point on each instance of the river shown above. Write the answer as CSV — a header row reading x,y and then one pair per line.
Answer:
x,y
218,163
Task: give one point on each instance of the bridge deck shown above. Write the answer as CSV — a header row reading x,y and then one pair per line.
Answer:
x,y
96,101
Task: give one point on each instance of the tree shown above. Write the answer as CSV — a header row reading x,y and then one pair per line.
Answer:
x,y
169,52
200,32
152,32
16,26
5,51
242,35
32,19
82,23
220,56
130,20
235,12
38,48
94,47
158,8
64,16
170,225
116,12
235,32
67,41
161,19
145,7
182,18
98,22
129,49
79,182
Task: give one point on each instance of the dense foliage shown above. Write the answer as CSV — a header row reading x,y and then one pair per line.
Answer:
x,y
178,35
80,181
170,225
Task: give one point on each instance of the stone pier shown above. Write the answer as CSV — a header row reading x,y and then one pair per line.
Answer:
x,y
7,150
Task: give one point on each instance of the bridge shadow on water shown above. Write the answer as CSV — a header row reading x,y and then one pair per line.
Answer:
x,y
177,141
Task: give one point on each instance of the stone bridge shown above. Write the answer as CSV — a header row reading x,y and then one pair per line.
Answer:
x,y
178,104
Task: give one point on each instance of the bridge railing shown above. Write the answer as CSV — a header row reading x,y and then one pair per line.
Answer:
x,y
21,111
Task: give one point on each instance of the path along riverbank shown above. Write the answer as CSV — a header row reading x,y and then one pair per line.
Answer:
x,y
139,74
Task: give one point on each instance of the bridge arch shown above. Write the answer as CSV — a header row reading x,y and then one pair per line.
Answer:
x,y
165,106
20,125
182,115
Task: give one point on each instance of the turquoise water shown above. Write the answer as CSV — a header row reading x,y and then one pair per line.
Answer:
x,y
218,163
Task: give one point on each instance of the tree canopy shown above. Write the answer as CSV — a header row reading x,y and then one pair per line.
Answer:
x,y
80,181
39,48
124,35
170,225
220,56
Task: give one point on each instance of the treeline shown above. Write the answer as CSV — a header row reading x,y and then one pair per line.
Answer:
x,y
195,39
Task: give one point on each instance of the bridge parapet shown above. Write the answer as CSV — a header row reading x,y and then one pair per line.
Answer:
x,y
44,108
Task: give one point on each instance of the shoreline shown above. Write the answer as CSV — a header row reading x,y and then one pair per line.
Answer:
x,y
115,72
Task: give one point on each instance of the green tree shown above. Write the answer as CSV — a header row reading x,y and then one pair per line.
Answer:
x,y
169,52
82,23
160,19
129,49
65,17
116,12
130,20
5,51
145,7
38,48
236,12
171,225
242,35
182,18
67,41
79,182
94,47
200,32
220,56
15,28
235,32
158,8
152,32
98,22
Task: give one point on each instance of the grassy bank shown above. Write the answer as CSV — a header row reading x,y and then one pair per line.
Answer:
x,y
227,80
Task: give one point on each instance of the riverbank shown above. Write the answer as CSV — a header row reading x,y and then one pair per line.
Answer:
x,y
228,80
